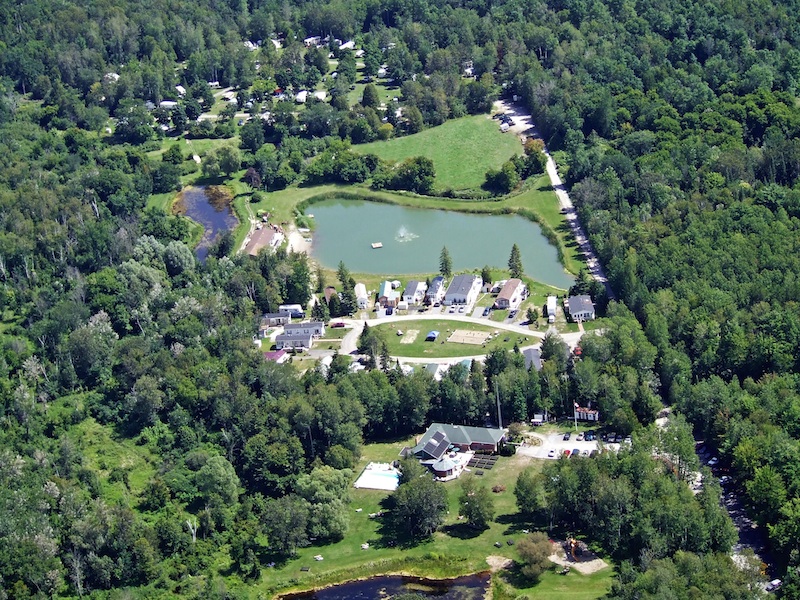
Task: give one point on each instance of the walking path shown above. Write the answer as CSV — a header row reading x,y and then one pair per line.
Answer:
x,y
524,127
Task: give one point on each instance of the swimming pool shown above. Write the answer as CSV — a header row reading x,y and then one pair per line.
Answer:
x,y
378,476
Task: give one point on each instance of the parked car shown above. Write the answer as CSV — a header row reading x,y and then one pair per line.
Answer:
x,y
773,585
567,436
461,309
576,452
713,462
580,437
389,311
436,305
337,324
486,311
589,436
551,454
566,453
512,314
725,480
593,453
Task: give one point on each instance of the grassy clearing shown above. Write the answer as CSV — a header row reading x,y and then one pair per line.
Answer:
x,y
452,551
462,150
441,348
124,467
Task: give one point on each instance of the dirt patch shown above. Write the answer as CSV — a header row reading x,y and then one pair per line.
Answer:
x,y
586,564
496,563
464,336
410,336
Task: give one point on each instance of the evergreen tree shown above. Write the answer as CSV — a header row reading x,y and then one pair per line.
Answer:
x,y
515,262
445,263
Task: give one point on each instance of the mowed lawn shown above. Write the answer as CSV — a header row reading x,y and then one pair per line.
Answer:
x,y
441,348
454,550
462,150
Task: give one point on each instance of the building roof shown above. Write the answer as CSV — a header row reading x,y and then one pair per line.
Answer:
x,y
533,356
436,284
385,290
262,238
458,434
276,356
360,290
443,464
289,337
461,284
432,335
413,287
580,304
435,446
297,327
509,289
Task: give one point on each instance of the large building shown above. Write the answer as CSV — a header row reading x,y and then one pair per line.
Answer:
x,y
464,289
443,447
511,295
312,328
293,341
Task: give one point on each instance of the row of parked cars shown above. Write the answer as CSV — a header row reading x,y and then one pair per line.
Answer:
x,y
590,436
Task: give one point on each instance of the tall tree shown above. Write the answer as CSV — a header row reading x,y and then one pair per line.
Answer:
x,y
476,503
515,262
445,263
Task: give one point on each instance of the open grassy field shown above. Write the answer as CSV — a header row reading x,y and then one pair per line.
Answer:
x,y
462,150
454,550
442,348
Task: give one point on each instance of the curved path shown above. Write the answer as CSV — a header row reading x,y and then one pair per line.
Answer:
x,y
525,127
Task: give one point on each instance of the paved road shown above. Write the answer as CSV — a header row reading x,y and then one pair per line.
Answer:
x,y
524,126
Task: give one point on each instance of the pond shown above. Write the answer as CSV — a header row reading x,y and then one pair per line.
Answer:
x,y
412,240
211,207
469,587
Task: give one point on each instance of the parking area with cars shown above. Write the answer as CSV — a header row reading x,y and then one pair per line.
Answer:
x,y
557,444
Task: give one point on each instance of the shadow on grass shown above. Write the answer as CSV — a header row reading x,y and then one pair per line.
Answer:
x,y
513,576
462,531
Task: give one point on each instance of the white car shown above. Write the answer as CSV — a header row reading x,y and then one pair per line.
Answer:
x,y
551,454
713,462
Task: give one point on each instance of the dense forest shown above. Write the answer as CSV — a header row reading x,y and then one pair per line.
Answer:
x,y
676,125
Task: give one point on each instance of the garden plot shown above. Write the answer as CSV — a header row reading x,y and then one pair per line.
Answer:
x,y
464,336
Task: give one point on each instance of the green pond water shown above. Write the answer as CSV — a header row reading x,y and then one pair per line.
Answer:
x,y
412,240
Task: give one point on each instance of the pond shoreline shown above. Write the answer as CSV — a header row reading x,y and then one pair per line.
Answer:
x,y
415,579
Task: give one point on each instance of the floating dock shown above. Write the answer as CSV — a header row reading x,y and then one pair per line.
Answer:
x,y
377,245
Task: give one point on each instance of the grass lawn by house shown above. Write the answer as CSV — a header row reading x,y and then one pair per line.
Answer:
x,y
462,150
441,348
454,550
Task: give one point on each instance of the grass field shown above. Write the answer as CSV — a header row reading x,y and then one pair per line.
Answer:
x,y
462,150
441,348
454,550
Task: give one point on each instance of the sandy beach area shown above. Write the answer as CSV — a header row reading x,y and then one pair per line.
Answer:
x,y
297,241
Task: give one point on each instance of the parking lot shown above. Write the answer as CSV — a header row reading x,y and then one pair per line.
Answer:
x,y
554,445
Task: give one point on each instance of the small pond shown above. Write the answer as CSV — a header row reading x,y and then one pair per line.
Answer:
x,y
211,207
412,240
469,587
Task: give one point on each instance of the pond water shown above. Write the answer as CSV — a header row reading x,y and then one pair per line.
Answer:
x,y
412,240
469,587
211,207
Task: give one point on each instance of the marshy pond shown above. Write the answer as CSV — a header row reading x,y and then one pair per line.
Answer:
x,y
211,207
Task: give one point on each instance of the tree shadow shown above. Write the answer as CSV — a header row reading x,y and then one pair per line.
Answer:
x,y
462,531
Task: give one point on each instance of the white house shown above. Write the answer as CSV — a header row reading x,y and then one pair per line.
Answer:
x,y
362,300
293,341
436,290
313,328
551,309
512,295
580,308
301,97
414,292
464,289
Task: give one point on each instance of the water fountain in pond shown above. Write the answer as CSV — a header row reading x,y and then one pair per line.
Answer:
x,y
404,235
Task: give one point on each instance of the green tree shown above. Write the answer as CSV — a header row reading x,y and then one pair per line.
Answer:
x,y
476,503
286,523
419,506
370,98
515,262
218,478
229,159
486,274
445,263
173,155
529,492
534,552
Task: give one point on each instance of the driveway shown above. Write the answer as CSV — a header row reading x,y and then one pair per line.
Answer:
x,y
524,127
555,441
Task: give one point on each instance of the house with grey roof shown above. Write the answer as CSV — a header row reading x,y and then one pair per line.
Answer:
x,y
464,289
293,341
533,358
580,308
414,292
435,291
312,328
445,449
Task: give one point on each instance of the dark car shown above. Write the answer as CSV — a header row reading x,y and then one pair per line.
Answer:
x,y
389,311
298,315
337,324
486,311
576,452
567,436
512,314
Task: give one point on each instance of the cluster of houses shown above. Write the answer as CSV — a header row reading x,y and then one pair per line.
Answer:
x,y
463,289
295,336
